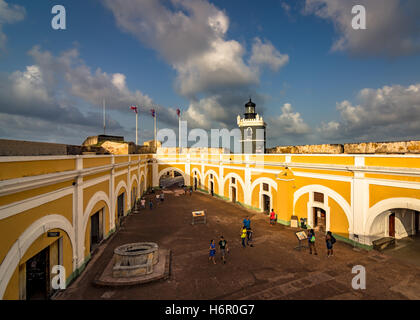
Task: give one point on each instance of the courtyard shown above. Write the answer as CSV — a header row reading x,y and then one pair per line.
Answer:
x,y
271,269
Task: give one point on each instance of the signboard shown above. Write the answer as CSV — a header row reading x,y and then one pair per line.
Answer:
x,y
301,235
53,234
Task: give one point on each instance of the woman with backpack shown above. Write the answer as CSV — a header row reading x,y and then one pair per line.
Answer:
x,y
311,242
330,240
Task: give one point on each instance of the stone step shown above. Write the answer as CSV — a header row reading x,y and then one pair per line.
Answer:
x,y
383,243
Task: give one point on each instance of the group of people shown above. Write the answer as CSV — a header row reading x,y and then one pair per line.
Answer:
x,y
329,240
223,250
159,198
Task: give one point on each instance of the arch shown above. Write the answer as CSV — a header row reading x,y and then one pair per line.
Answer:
x,y
98,196
25,240
210,171
121,185
198,171
142,175
238,178
166,170
387,204
261,193
329,193
269,181
134,177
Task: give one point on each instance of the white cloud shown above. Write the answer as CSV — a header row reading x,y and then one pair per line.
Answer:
x,y
392,26
267,54
391,112
191,37
9,14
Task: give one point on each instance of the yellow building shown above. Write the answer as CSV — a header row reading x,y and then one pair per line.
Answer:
x,y
55,210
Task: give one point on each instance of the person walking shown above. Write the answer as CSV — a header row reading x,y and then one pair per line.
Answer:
x,y
157,198
330,240
247,223
212,251
272,217
243,236
311,242
150,204
143,203
191,191
162,197
223,248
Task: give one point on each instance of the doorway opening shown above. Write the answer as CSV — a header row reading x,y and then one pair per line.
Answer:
x,y
391,225
233,190
211,188
120,205
96,229
319,219
266,203
37,276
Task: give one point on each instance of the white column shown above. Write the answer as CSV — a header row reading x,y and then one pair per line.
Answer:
x,y
221,177
188,170
78,218
111,194
247,191
129,184
360,204
155,172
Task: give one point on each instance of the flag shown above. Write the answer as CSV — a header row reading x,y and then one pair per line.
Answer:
x,y
134,108
178,112
153,112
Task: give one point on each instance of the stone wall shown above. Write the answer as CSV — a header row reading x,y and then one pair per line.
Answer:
x,y
399,147
308,149
28,148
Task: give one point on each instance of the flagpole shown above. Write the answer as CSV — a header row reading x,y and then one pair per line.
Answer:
x,y
179,132
155,130
137,120
103,103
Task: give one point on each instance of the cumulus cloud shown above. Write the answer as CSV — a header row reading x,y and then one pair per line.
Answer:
x,y
9,14
388,113
65,93
393,27
267,54
212,72
289,127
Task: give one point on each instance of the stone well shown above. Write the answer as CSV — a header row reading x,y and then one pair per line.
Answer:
x,y
135,259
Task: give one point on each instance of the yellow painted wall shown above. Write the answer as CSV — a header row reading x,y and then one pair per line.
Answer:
x,y
12,227
12,290
20,169
27,194
379,193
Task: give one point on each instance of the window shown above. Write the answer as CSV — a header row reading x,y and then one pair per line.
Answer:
x,y
211,176
248,134
318,197
233,180
265,187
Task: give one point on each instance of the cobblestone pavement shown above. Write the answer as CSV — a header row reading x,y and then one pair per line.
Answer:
x,y
272,269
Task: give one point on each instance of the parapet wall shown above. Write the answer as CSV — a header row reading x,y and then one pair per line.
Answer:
x,y
400,147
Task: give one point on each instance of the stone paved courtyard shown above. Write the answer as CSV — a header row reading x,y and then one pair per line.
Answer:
x,y
272,269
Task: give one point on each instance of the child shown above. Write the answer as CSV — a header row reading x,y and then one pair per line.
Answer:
x,y
311,241
212,252
143,203
223,248
272,217
151,204
330,240
243,236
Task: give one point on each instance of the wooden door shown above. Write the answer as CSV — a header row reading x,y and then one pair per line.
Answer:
x,y
233,194
392,225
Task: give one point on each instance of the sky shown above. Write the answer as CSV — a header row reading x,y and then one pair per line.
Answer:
x,y
313,77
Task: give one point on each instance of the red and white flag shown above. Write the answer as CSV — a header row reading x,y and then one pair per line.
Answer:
x,y
134,108
153,112
178,112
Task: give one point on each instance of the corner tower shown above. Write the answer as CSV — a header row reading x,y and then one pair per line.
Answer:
x,y
252,128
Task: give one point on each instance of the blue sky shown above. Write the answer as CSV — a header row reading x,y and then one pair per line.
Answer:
x,y
281,52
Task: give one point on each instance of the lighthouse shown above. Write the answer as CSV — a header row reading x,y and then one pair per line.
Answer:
x,y
252,128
